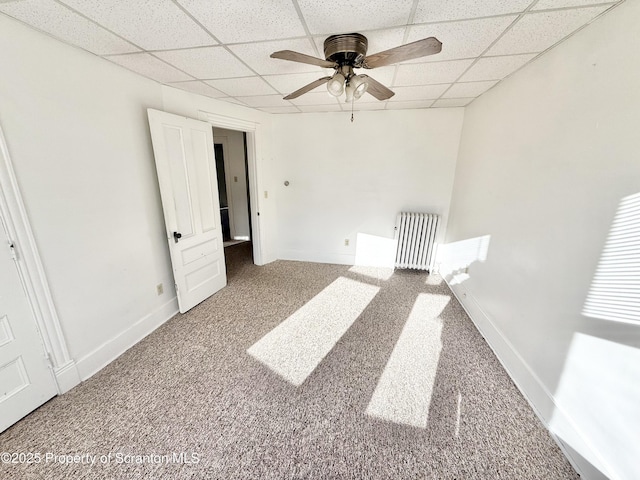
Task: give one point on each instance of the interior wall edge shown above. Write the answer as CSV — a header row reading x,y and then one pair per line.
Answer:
x,y
528,383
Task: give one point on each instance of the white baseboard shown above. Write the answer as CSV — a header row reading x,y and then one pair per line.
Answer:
x,y
67,377
534,391
317,257
112,349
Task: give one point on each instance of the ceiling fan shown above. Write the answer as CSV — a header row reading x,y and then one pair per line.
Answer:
x,y
347,51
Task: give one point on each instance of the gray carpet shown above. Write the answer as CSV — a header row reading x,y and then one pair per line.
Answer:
x,y
192,388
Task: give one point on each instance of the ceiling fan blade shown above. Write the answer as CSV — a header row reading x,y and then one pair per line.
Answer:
x,y
302,58
307,88
421,48
377,89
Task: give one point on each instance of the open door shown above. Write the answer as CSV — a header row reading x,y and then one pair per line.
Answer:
x,y
26,381
185,162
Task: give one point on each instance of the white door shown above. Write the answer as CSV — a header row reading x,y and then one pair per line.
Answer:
x,y
26,381
186,167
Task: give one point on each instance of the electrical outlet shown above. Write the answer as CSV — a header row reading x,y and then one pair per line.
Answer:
x,y
160,289
266,194
235,179
346,242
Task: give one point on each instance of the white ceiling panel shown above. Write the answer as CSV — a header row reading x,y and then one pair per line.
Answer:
x,y
461,39
150,24
544,4
495,68
67,25
316,97
436,11
321,108
469,89
538,31
361,106
247,20
422,92
265,101
200,88
149,66
239,87
434,72
232,100
345,16
256,55
279,109
206,63
409,105
453,102
222,48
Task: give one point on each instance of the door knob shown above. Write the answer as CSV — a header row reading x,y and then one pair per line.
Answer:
x,y
177,236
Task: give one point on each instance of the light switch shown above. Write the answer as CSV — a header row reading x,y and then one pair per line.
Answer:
x,y
266,194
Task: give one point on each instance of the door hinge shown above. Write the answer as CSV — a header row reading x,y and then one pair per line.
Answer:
x,y
49,360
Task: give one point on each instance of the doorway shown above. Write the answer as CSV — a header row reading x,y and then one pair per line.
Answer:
x,y
230,148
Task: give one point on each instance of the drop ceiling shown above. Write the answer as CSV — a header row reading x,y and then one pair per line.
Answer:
x,y
221,48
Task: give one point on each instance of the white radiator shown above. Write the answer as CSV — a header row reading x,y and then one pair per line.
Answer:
x,y
416,235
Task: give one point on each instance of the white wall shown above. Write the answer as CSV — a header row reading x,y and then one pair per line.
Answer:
x,y
236,176
77,134
349,179
545,160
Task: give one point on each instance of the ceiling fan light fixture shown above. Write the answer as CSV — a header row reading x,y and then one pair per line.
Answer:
x,y
360,85
335,86
349,90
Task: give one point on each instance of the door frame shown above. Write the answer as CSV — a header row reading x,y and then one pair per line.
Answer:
x,y
227,178
33,276
254,132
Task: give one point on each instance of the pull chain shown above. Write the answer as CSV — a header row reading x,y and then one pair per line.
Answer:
x,y
352,102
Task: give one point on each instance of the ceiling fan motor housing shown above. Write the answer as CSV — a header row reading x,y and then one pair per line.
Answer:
x,y
346,49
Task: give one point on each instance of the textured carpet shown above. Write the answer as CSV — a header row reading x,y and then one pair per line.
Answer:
x,y
191,389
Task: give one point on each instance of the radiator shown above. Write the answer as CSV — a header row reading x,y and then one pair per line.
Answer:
x,y
416,235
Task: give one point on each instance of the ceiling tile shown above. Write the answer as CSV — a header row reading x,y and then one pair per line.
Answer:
x,y
496,68
286,84
538,31
280,109
408,105
198,87
436,11
320,97
384,75
247,20
232,100
469,89
321,108
150,24
265,101
67,25
149,66
257,56
206,62
544,4
453,102
435,72
360,106
333,17
238,87
422,92
461,39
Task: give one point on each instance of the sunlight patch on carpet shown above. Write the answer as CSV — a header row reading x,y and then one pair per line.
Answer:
x,y
403,393
295,347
